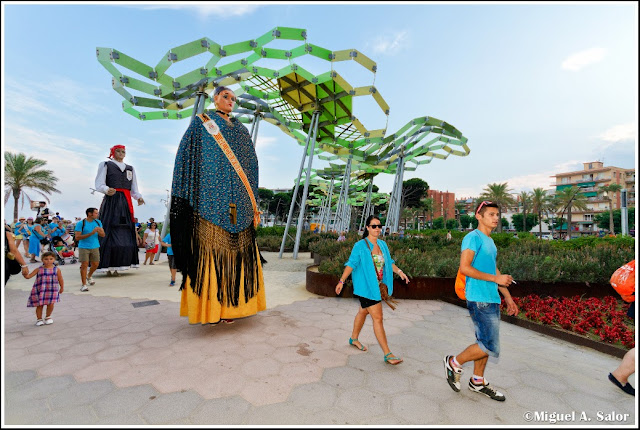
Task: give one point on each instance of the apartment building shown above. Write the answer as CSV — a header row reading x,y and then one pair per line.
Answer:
x,y
444,204
593,176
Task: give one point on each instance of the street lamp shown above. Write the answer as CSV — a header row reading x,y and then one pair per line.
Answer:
x,y
610,198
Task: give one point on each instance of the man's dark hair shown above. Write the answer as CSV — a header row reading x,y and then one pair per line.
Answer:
x,y
482,207
90,210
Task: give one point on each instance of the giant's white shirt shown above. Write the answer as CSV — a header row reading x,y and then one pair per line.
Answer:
x,y
101,179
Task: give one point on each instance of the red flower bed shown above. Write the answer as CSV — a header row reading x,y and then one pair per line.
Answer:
x,y
605,318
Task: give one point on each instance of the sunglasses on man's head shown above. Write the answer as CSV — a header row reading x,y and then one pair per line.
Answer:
x,y
486,202
375,225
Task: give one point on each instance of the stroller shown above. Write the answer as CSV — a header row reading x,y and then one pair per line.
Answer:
x,y
63,249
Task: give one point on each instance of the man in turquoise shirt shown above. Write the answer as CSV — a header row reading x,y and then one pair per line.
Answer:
x,y
86,234
484,280
172,262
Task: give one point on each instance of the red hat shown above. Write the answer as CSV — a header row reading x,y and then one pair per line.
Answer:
x,y
112,151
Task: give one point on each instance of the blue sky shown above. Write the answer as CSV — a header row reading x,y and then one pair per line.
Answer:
x,y
538,89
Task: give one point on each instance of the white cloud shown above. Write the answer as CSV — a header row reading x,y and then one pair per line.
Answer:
x,y
579,60
265,141
619,132
71,102
389,44
207,10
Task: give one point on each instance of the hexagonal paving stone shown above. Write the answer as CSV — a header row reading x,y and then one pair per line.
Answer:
x,y
282,340
362,404
266,391
415,409
256,350
214,384
65,367
80,394
313,397
83,348
14,379
139,374
344,377
328,358
230,410
40,388
167,408
388,383
127,339
116,352
262,367
178,379
101,370
124,401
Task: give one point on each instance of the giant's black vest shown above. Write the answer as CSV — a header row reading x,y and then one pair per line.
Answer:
x,y
116,178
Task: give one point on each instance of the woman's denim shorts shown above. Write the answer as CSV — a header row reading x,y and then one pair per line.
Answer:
x,y
486,320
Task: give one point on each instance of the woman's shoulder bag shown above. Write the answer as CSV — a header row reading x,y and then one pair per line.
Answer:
x,y
384,290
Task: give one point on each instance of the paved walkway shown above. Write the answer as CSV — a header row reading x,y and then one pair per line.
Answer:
x,y
104,361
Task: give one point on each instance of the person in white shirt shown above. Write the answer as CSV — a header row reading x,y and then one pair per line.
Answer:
x,y
117,180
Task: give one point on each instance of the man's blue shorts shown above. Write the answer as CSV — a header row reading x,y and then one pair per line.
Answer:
x,y
486,320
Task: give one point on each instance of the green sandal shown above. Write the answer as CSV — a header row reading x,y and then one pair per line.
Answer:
x,y
393,357
356,340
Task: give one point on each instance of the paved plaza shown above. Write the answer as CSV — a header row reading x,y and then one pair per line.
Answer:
x,y
106,360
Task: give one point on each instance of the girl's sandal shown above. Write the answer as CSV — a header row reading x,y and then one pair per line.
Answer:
x,y
48,320
390,356
361,347
39,322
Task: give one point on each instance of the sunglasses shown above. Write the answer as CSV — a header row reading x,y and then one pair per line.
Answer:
x,y
486,202
374,226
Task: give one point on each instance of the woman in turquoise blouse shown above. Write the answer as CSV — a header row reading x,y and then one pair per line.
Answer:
x,y
365,284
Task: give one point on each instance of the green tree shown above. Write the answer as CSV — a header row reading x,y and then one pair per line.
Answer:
x,y
451,224
569,198
525,201
264,199
438,223
22,173
413,190
609,192
459,207
279,205
499,193
518,219
466,221
427,207
603,220
538,202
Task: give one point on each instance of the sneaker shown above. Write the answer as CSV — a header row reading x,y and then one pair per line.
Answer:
x,y
172,283
487,390
453,374
39,322
90,281
84,288
48,320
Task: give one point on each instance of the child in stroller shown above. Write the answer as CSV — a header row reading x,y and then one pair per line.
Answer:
x,y
62,251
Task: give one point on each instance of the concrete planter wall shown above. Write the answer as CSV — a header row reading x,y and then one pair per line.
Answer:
x,y
442,289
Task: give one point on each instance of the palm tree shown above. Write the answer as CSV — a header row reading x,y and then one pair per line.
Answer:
x,y
427,207
498,193
610,190
538,202
459,207
569,198
525,199
21,173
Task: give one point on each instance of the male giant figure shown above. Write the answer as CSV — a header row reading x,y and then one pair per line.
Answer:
x,y
117,180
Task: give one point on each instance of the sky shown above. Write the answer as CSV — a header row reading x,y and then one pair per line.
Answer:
x,y
537,89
